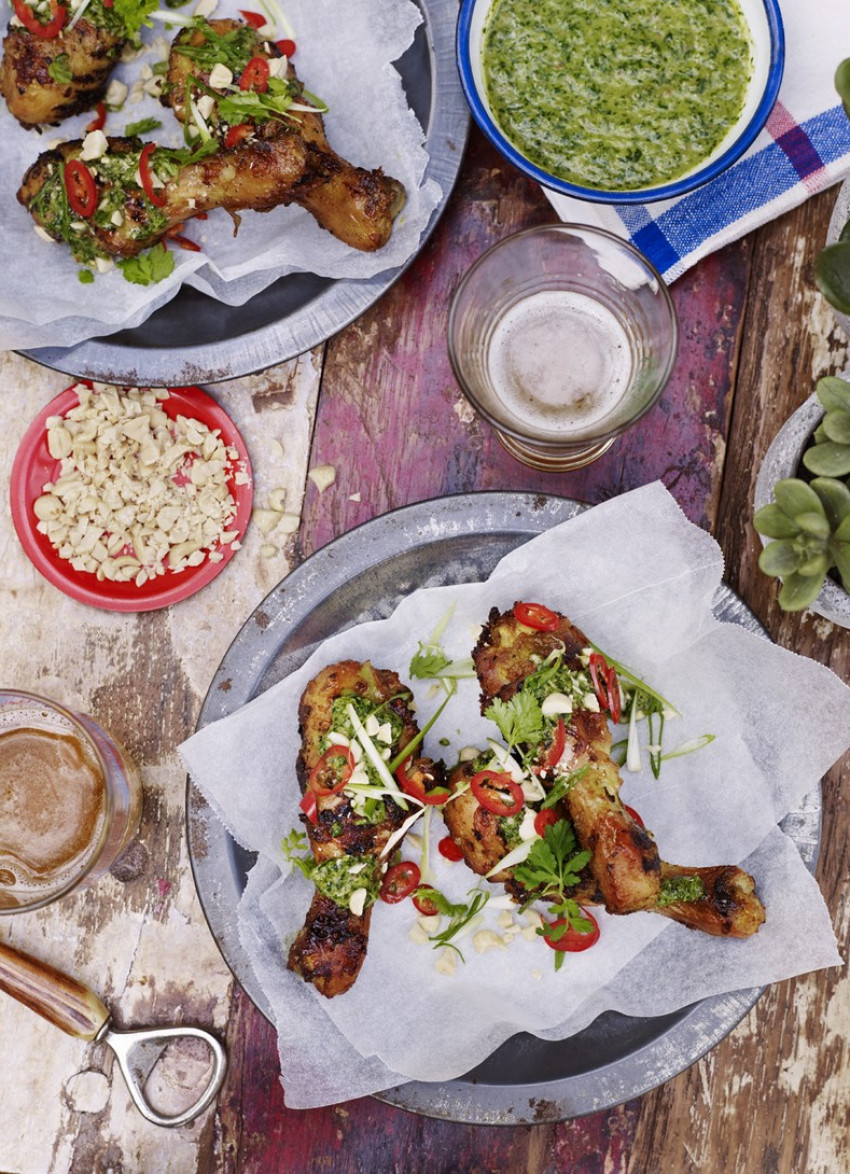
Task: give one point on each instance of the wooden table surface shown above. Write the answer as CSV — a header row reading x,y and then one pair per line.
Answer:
x,y
380,405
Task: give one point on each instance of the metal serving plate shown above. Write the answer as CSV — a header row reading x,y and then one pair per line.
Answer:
x,y
196,339
362,576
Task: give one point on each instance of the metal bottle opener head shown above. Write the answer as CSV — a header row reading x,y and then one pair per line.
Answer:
x,y
137,1052
79,1012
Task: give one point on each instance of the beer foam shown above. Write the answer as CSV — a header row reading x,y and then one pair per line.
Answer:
x,y
560,362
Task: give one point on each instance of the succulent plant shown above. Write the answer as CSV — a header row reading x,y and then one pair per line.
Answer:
x,y
829,456
832,264
809,523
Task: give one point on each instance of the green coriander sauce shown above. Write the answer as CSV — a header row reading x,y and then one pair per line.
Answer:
x,y
616,94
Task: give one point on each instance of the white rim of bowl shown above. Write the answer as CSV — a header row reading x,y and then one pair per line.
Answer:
x,y
776,66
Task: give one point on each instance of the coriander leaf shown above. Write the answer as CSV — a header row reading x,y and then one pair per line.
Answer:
x,y
85,277
143,127
519,720
459,915
148,268
431,663
554,863
134,13
427,662
293,845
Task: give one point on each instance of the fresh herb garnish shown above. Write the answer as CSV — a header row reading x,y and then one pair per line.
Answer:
x,y
678,889
571,917
460,915
294,849
143,127
148,268
562,784
134,13
554,863
60,69
520,720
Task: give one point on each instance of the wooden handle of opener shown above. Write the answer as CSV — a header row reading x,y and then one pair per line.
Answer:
x,y
58,998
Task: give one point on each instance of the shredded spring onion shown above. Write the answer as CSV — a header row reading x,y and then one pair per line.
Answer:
x,y
374,756
517,856
77,14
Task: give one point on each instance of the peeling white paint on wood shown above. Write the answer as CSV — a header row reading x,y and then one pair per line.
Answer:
x,y
138,937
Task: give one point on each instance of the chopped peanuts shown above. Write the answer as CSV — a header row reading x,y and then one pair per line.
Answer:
x,y
137,493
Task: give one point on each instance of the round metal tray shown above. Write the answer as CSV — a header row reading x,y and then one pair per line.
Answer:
x,y
362,576
196,339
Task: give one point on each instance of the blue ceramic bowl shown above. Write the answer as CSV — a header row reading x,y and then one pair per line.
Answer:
x,y
765,23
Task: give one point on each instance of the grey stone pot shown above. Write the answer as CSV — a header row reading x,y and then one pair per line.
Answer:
x,y
782,459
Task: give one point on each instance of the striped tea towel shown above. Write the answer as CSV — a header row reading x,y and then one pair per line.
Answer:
x,y
804,148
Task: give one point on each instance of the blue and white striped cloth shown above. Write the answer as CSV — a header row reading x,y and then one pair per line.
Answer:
x,y
804,148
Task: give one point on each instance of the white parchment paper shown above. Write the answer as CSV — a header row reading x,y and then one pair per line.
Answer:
x,y
348,61
639,579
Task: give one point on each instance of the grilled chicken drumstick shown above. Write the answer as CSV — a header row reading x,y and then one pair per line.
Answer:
x,y
57,56
81,60
208,67
351,834
624,857
102,207
726,904
116,197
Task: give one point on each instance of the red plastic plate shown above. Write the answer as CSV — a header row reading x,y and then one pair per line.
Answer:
x,y
33,466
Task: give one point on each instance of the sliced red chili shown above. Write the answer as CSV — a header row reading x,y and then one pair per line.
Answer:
x,y
544,819
184,242
99,121
634,815
613,685
535,615
400,880
255,19
32,24
489,787
606,684
308,806
436,797
423,902
286,48
156,196
255,75
81,188
448,848
556,749
235,134
563,936
325,778
598,667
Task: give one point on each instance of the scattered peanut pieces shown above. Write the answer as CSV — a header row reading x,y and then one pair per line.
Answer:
x,y
138,493
323,476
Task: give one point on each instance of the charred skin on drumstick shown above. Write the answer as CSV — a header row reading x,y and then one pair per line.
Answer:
x,y
45,80
57,56
350,840
226,74
722,900
124,220
624,857
271,162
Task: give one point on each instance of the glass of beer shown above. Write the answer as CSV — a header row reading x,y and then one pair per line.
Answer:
x,y
70,801
562,337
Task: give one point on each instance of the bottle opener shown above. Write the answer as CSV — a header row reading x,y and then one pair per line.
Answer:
x,y
78,1011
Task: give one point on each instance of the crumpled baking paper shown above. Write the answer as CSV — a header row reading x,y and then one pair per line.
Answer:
x,y
348,61
639,579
